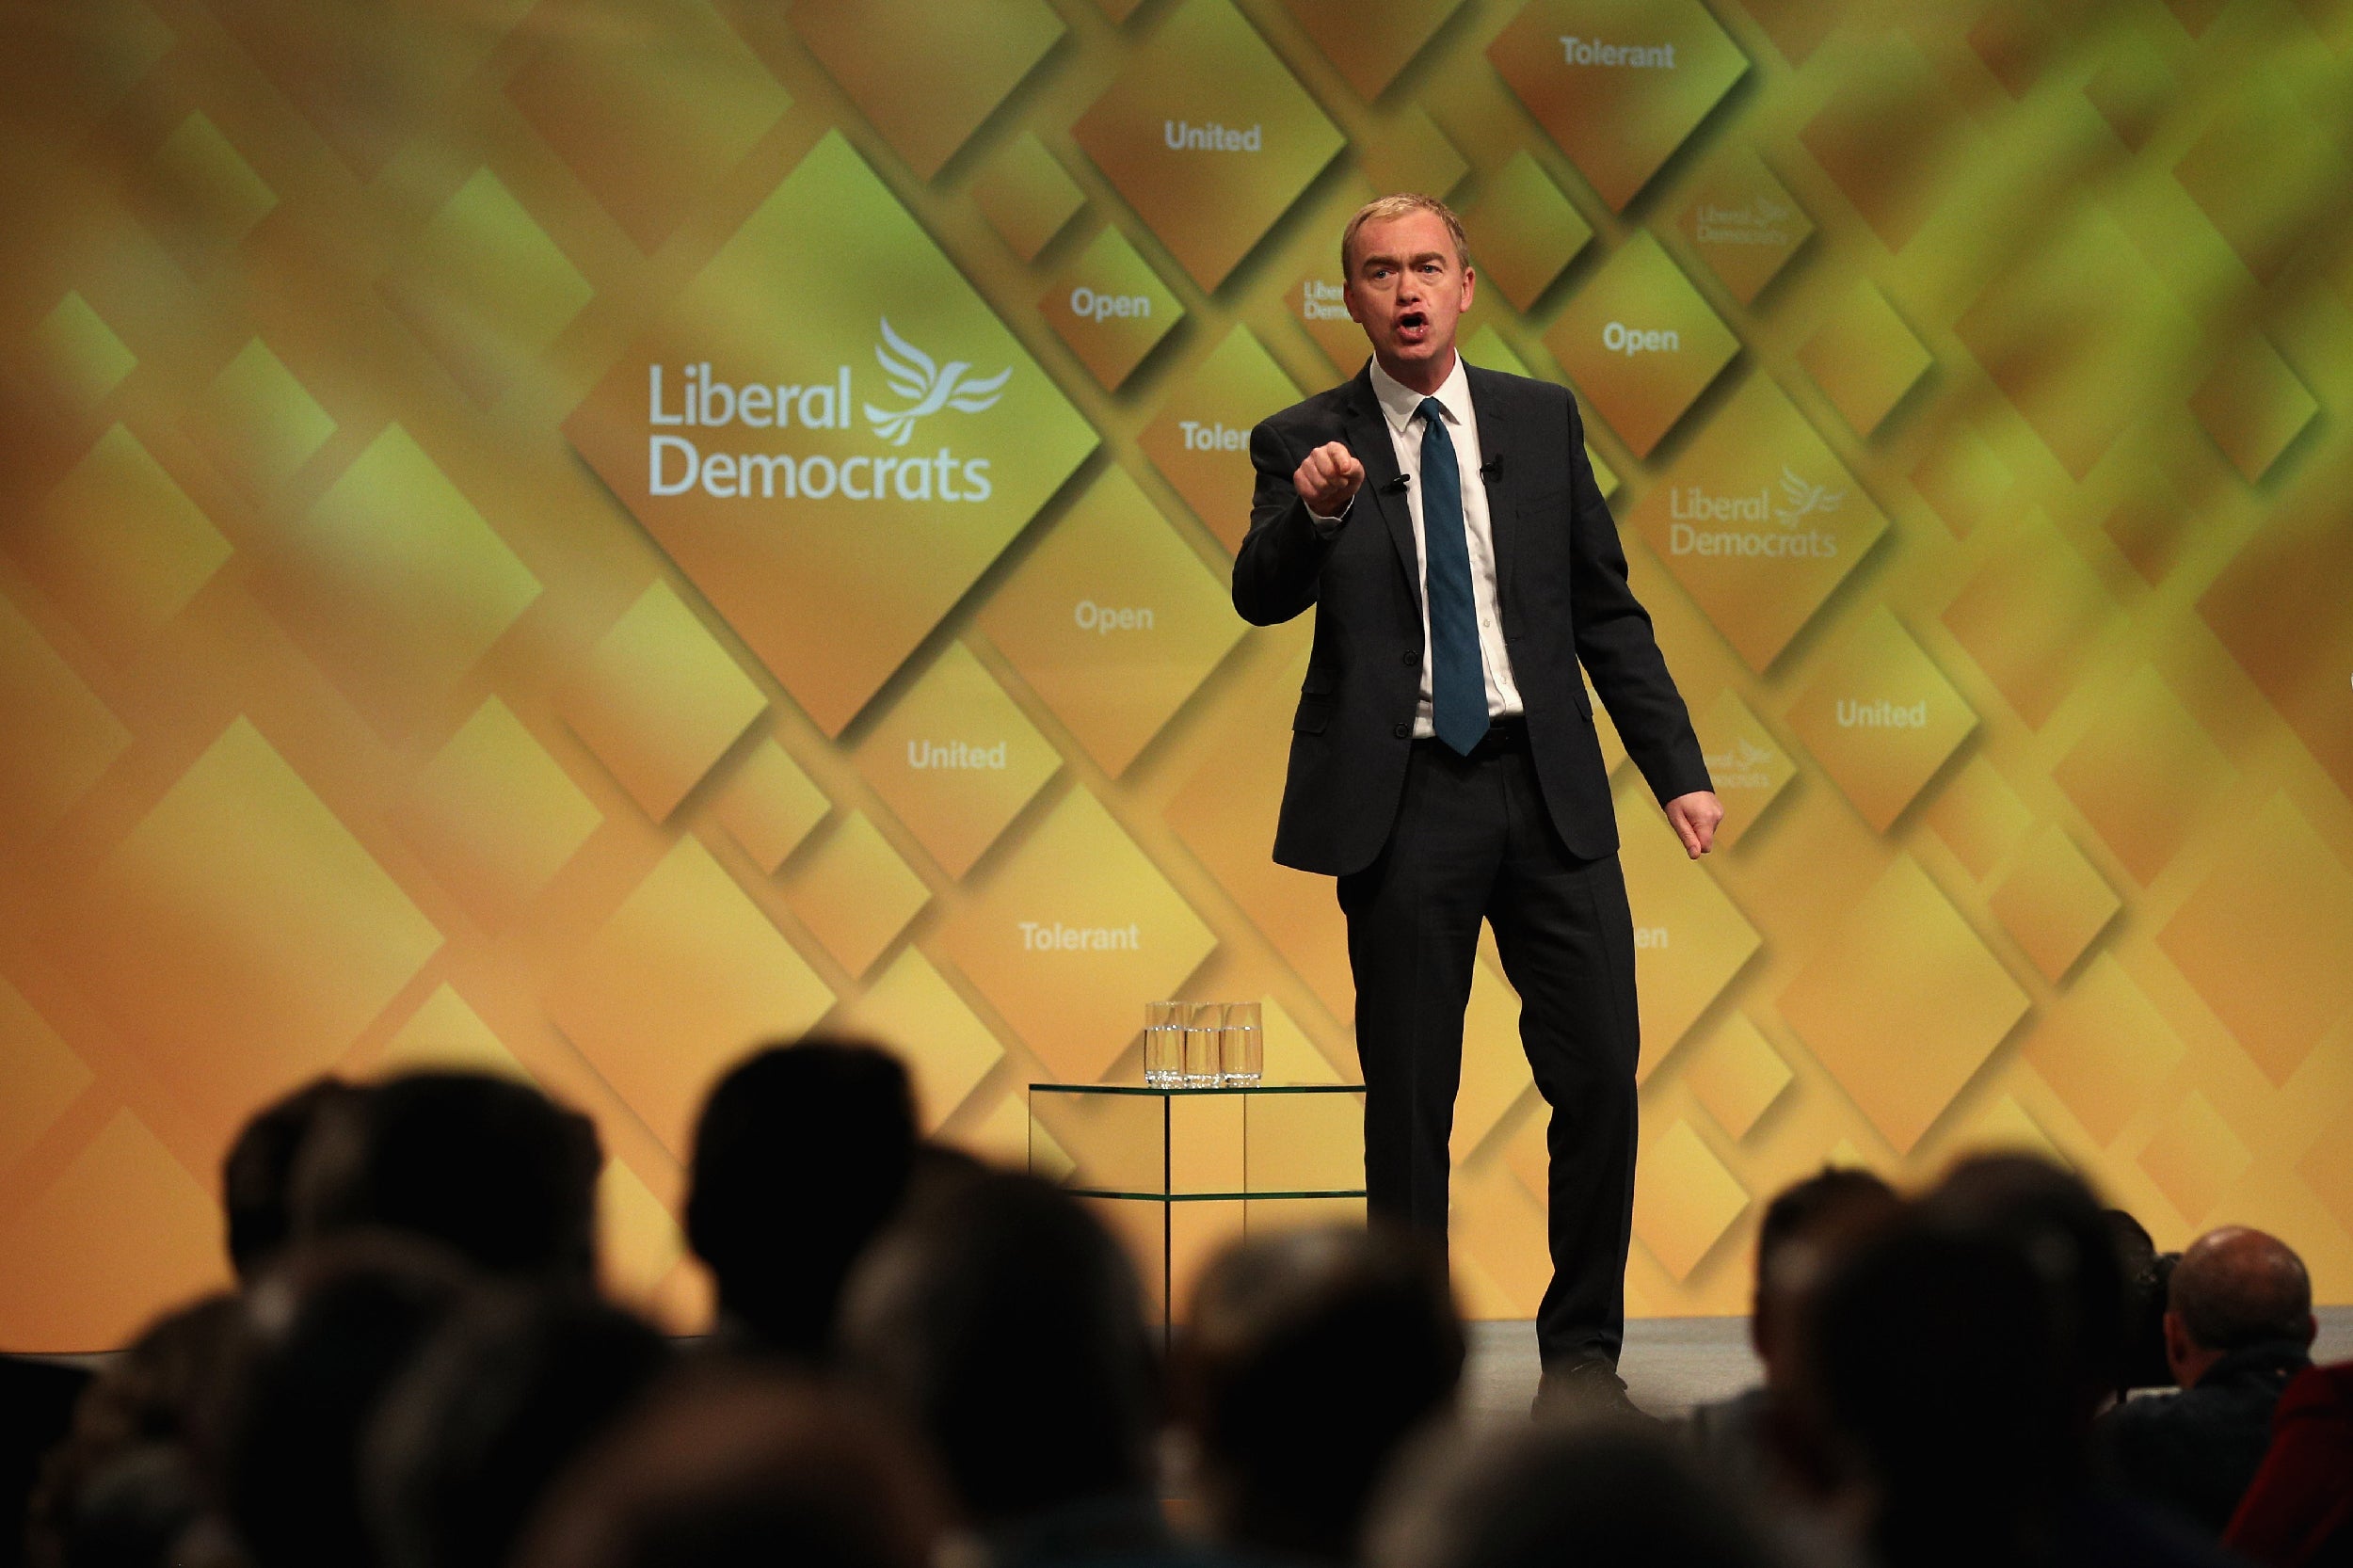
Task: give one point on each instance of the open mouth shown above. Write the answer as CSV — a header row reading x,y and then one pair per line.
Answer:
x,y
1412,324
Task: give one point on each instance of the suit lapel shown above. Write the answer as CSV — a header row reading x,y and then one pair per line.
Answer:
x,y
1367,434
1488,395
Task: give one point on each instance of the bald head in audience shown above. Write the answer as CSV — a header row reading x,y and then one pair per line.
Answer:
x,y
2234,1287
2238,1327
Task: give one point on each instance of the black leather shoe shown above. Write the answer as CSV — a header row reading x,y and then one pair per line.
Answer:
x,y
1586,1389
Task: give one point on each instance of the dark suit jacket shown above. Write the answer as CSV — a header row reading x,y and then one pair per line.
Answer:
x,y
1561,584
2195,1451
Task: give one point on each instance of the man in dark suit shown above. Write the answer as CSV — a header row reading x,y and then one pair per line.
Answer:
x,y
1444,764
2238,1326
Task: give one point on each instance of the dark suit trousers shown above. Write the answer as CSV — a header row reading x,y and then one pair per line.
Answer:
x,y
1473,840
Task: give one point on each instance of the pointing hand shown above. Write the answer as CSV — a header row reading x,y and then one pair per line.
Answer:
x,y
1328,480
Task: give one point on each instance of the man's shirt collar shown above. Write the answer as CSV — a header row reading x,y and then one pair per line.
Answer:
x,y
1400,403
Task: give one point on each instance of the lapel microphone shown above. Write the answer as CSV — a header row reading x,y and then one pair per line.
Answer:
x,y
1397,486
1492,468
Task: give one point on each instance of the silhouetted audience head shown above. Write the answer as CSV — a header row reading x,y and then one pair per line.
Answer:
x,y
2136,1249
755,1471
141,1508
1307,1359
512,1387
1758,1441
1943,1377
326,1334
1006,1322
1805,1229
936,1170
1952,1364
801,1156
1592,1494
2051,1218
418,1373
123,1486
488,1167
2233,1288
257,1177
2141,1362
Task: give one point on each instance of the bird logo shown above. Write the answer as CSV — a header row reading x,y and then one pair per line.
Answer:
x,y
930,386
1804,499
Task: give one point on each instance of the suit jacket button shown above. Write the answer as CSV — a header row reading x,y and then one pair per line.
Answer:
x,y
1402,730
1412,656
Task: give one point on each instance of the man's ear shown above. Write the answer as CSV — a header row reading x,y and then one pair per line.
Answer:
x,y
2179,1347
1470,286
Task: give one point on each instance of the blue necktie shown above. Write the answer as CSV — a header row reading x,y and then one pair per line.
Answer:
x,y
1458,675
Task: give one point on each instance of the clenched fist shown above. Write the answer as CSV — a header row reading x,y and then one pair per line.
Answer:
x,y
1328,480
1695,817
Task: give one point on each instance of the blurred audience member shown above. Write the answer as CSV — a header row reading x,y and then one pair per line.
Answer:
x,y
488,1167
2146,1271
748,1471
37,1403
122,1487
420,1375
2055,1223
801,1155
326,1334
2238,1325
1007,1324
1805,1229
1952,1365
2136,1249
144,1508
934,1170
1942,1376
258,1176
1307,1360
508,1391
1595,1494
2298,1509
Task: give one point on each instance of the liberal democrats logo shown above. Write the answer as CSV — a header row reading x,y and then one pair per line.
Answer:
x,y
716,408
1746,766
1803,498
1708,523
914,374
1762,221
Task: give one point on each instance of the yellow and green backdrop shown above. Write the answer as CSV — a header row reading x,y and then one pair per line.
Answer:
x,y
577,535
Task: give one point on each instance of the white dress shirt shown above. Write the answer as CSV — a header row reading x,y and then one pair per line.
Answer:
x,y
1401,406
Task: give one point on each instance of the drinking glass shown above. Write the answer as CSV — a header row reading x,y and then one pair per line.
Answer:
x,y
1163,1045
1203,1022
1240,1046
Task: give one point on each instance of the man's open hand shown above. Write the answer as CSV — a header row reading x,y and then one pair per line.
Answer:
x,y
1695,817
1328,480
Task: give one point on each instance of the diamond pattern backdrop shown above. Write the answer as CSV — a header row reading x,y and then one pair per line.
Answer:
x,y
572,536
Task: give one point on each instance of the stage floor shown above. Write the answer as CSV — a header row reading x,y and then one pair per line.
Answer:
x,y
1672,1364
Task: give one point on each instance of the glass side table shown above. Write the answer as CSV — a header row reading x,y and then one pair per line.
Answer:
x,y
1178,1173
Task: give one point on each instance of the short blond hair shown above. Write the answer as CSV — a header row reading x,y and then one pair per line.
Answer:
x,y
1384,209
